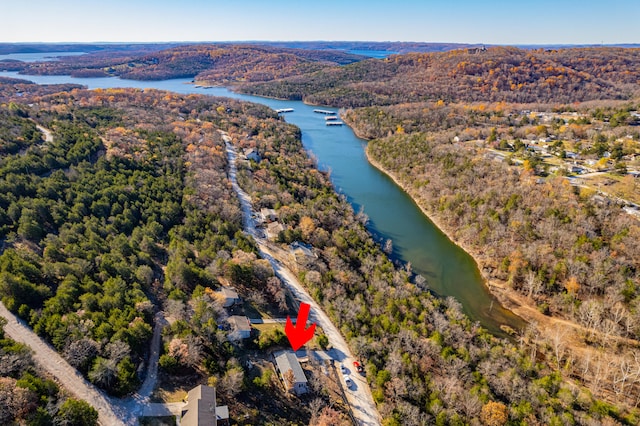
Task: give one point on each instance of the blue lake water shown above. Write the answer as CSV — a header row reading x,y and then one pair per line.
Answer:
x,y
449,270
34,57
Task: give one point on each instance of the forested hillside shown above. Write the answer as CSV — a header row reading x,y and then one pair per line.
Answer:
x,y
491,75
214,64
128,209
333,77
124,211
568,252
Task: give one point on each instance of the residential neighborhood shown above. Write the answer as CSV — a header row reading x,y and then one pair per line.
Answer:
x,y
609,166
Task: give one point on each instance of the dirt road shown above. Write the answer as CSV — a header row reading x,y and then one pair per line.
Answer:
x,y
359,395
66,375
138,404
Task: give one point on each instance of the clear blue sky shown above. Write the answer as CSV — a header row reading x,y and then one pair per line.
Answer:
x,y
465,21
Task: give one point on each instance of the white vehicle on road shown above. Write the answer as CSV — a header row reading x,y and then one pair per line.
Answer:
x,y
348,381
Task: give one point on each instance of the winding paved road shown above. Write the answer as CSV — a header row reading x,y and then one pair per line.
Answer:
x,y
359,396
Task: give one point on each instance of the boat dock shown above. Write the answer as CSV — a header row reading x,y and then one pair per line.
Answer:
x,y
323,111
331,117
283,110
334,123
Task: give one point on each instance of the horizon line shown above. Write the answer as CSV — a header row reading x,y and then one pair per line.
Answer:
x,y
315,41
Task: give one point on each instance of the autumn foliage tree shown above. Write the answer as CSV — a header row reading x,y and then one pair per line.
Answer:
x,y
494,414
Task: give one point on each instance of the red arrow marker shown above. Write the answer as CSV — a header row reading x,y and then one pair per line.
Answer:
x,y
297,334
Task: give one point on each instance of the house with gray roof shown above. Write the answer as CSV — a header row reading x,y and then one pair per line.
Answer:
x,y
201,409
240,327
230,296
291,372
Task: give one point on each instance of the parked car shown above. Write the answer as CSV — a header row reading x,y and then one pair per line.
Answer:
x,y
358,367
348,381
343,369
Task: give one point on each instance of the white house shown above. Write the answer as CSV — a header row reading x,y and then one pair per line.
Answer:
x,y
301,253
268,215
274,229
291,372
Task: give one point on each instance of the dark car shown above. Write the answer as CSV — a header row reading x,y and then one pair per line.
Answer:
x,y
358,367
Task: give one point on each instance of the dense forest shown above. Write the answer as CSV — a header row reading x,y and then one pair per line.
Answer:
x,y
128,210
214,64
487,75
28,397
426,362
125,211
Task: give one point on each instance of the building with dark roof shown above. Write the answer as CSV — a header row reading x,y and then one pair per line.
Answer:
x,y
201,409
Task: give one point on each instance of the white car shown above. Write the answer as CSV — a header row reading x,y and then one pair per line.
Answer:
x,y
343,369
348,381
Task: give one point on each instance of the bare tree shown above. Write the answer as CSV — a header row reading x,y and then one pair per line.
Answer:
x,y
231,382
558,343
80,352
626,373
118,350
315,406
532,284
388,246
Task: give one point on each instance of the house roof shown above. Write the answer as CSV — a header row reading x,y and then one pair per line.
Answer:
x,y
300,249
201,408
240,323
287,360
229,293
268,212
275,228
222,412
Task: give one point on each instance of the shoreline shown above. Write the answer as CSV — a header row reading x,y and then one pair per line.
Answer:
x,y
509,299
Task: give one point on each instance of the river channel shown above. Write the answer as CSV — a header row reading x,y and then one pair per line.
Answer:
x,y
448,269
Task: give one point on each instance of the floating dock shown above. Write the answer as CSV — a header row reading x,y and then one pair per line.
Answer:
x,y
323,111
334,123
283,110
331,117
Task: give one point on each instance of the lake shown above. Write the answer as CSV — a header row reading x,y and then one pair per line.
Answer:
x,y
39,56
448,269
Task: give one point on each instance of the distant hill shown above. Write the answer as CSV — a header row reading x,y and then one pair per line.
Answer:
x,y
472,74
8,48
325,73
219,64
393,47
